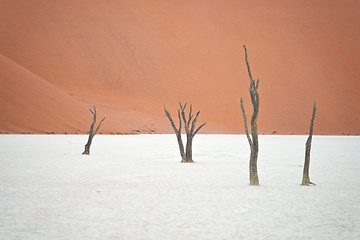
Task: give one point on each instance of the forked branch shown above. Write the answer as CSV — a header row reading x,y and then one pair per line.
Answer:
x,y
245,122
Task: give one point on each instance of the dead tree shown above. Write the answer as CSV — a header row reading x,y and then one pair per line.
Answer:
x,y
306,178
253,140
92,133
189,125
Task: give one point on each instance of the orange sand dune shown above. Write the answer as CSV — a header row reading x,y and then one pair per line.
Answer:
x,y
131,57
32,105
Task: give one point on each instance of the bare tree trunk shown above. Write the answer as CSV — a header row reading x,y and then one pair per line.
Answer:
x,y
189,150
254,178
181,147
306,178
87,146
92,133
253,140
186,156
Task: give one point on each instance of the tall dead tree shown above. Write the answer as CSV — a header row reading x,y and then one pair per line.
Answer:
x,y
306,178
189,125
92,133
253,140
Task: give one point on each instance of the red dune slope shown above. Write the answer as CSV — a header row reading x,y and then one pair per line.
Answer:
x,y
131,57
31,104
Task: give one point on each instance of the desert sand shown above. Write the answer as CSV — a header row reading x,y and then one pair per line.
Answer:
x,y
129,58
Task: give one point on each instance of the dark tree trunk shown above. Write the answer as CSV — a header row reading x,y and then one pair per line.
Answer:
x,y
254,179
87,146
189,151
253,140
92,132
189,125
306,178
181,147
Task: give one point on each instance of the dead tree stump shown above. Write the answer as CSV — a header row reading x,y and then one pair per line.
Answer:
x,y
253,140
306,178
92,133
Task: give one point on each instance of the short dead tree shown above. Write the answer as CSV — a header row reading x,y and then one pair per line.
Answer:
x,y
189,125
92,133
253,140
306,178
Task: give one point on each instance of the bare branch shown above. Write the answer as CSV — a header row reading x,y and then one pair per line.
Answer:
x,y
312,118
247,65
99,125
245,122
184,117
194,122
199,129
181,107
190,116
179,121
92,125
171,120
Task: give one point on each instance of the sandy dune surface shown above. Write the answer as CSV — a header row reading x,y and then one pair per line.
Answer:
x,y
128,58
